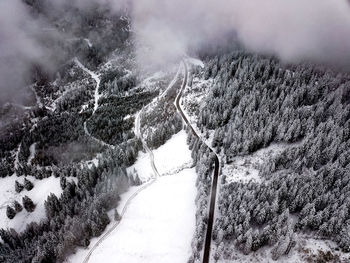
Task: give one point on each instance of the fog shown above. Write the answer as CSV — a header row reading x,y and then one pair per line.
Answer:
x,y
316,30
18,47
166,30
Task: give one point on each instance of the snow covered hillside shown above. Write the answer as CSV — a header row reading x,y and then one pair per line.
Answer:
x,y
40,192
158,226
151,229
168,158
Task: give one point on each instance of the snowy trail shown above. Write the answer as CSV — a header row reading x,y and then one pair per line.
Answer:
x,y
22,106
32,150
138,134
144,144
97,96
88,42
172,83
107,234
211,211
17,155
158,226
96,77
138,123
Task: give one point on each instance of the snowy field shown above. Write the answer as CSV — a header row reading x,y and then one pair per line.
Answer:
x,y
158,225
306,250
168,158
40,192
81,253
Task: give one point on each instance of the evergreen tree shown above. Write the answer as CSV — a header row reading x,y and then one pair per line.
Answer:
x,y
10,212
28,185
28,204
18,187
18,206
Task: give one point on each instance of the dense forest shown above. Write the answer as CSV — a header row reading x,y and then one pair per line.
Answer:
x,y
48,137
256,101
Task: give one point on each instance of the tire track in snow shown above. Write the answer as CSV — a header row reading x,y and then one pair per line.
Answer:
x,y
103,238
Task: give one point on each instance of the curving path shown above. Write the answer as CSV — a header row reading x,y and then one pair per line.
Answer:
x,y
206,255
138,134
97,79
86,259
147,149
144,144
96,98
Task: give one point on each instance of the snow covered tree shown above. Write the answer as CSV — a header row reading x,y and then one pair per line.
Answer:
x,y
28,204
10,212
18,187
28,185
18,206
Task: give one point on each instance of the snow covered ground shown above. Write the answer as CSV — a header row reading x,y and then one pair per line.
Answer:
x,y
81,253
169,157
246,168
306,250
158,225
97,79
195,62
42,188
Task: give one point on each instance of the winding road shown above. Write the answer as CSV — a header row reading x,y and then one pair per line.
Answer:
x,y
95,77
206,254
147,149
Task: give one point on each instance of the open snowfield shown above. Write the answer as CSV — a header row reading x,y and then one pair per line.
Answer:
x,y
168,157
81,253
158,225
40,192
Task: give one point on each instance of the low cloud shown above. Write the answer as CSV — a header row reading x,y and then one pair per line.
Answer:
x,y
317,30
164,31
18,47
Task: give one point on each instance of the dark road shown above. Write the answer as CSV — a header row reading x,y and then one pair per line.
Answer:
x,y
206,255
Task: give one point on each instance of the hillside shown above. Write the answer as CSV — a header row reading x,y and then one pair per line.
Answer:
x,y
282,132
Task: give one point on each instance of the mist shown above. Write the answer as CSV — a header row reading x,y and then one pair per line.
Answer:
x,y
165,31
313,30
18,48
